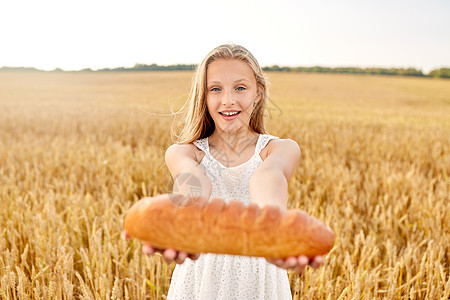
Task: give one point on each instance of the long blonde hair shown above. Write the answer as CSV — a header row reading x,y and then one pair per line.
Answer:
x,y
195,122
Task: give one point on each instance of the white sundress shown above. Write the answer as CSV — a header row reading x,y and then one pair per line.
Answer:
x,y
228,277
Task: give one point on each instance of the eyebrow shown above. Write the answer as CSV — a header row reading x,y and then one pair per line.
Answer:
x,y
239,80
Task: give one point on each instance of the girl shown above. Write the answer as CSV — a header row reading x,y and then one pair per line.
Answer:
x,y
224,147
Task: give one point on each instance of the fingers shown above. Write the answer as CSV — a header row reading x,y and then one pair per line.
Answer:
x,y
316,262
181,257
194,256
170,254
289,262
296,263
276,261
148,249
302,262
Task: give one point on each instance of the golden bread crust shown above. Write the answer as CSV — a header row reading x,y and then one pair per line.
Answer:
x,y
227,229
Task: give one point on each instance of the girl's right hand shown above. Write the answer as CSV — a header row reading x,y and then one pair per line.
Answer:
x,y
169,254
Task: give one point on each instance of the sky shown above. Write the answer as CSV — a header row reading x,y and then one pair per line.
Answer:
x,y
74,35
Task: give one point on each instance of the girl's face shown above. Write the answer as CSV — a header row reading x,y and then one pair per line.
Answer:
x,y
231,93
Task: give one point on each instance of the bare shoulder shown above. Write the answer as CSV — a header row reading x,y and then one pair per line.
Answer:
x,y
182,151
285,147
282,155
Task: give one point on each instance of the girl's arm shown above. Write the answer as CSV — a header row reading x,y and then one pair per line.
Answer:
x,y
268,186
190,179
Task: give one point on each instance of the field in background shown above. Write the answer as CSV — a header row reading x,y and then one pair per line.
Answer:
x,y
77,149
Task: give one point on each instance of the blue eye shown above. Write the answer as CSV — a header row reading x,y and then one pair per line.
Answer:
x,y
241,88
215,89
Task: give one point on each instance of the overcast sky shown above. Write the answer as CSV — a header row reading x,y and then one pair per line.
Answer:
x,y
73,35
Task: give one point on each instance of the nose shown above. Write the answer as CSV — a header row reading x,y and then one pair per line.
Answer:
x,y
227,98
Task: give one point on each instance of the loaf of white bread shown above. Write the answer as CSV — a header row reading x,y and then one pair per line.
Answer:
x,y
230,228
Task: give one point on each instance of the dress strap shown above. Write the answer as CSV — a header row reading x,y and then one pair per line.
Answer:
x,y
262,142
202,144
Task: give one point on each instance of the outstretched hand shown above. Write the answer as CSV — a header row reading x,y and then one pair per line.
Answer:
x,y
296,263
169,254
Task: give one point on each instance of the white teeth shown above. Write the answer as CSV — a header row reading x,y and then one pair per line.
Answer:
x,y
230,113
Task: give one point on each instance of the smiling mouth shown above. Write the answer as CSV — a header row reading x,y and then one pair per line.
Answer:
x,y
230,113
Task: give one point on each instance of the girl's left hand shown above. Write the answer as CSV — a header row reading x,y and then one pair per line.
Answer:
x,y
296,263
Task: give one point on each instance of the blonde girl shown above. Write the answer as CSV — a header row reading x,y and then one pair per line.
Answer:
x,y
223,149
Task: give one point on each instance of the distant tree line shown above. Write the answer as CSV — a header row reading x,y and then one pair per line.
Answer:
x,y
349,70
142,67
439,73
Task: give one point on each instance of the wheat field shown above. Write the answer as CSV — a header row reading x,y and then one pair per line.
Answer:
x,y
78,149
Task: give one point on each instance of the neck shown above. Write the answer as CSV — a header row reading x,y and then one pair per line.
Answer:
x,y
232,141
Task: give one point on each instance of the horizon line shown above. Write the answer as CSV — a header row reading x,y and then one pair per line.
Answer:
x,y
186,65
